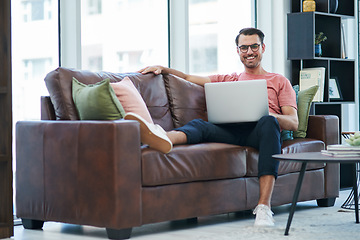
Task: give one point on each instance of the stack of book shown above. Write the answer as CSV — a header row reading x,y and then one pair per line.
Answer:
x,y
339,150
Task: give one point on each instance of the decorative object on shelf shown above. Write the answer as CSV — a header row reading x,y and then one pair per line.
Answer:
x,y
319,38
333,6
334,93
313,76
318,50
309,6
343,42
353,139
346,135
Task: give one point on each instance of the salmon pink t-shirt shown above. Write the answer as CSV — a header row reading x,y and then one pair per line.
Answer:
x,y
280,91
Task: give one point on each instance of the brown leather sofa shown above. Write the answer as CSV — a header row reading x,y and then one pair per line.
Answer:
x,y
97,173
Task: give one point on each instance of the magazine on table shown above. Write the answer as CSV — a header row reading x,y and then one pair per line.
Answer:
x,y
342,150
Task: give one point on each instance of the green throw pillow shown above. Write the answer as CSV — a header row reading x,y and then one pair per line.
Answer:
x,y
305,98
96,101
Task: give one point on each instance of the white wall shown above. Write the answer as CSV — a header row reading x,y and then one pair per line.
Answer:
x,y
272,19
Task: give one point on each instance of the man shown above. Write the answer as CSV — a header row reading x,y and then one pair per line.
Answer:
x,y
263,135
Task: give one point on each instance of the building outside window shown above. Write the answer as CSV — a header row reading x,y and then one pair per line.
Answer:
x,y
36,10
213,26
126,34
139,37
94,7
34,53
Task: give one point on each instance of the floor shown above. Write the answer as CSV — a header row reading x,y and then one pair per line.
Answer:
x,y
226,226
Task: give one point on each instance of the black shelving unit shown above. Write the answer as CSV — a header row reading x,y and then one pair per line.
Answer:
x,y
302,27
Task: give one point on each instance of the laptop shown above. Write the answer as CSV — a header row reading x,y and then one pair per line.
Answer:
x,y
236,102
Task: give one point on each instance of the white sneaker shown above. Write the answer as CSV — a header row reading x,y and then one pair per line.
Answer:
x,y
264,216
152,134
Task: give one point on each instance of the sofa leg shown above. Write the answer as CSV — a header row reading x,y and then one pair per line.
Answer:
x,y
326,202
192,220
32,224
118,233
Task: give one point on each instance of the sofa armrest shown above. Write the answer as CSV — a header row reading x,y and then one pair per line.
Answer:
x,y
324,128
47,108
81,172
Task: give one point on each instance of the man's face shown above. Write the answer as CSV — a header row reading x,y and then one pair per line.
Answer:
x,y
252,57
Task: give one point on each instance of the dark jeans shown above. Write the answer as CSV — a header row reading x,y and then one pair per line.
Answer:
x,y
263,135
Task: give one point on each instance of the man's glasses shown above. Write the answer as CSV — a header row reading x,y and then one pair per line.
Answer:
x,y
254,47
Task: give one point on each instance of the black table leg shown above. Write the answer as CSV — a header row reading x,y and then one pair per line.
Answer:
x,y
355,190
295,197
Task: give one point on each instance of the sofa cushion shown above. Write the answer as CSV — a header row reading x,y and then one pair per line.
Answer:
x,y
187,100
130,98
153,91
291,146
96,101
151,87
305,98
190,163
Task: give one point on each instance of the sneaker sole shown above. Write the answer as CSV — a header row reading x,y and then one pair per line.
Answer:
x,y
148,137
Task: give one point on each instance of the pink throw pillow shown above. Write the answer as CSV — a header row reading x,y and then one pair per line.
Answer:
x,y
131,99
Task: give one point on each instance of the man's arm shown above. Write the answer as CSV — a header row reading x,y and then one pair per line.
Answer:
x,y
288,120
164,70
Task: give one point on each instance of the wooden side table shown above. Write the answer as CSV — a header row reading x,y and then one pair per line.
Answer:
x,y
308,157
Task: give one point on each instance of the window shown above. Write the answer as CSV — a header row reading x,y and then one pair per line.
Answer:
x,y
35,10
34,53
125,35
213,26
204,55
94,7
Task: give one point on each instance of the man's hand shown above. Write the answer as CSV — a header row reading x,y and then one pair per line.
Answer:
x,y
157,69
152,69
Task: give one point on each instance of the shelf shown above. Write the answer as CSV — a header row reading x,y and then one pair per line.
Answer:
x,y
331,14
332,103
345,8
343,70
302,28
330,59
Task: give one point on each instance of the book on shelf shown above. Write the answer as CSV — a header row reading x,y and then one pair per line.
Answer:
x,y
313,76
343,42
